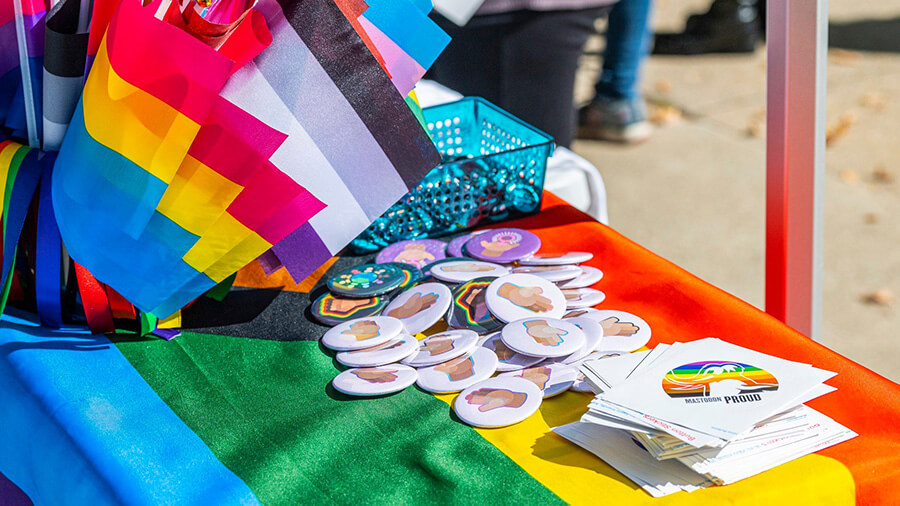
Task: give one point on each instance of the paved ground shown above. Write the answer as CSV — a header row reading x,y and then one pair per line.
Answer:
x,y
695,194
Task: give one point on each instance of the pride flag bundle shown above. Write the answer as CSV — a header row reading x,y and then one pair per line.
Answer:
x,y
207,136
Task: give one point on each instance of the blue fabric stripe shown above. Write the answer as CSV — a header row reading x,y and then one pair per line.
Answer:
x,y
48,253
81,426
93,214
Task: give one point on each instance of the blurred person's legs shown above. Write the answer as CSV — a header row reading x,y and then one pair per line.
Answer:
x,y
524,61
618,112
728,26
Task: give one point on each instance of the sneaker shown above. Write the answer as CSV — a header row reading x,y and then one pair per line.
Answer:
x,y
623,120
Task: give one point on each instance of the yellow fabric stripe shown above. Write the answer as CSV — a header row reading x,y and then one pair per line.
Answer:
x,y
172,322
6,156
245,252
579,477
226,242
197,196
134,123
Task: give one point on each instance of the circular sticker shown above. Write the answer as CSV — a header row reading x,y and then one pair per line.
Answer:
x,y
442,347
362,333
577,298
415,252
455,247
593,333
498,402
411,274
589,276
374,380
508,359
621,330
516,296
459,373
420,307
466,270
365,280
553,273
387,352
332,310
574,257
552,379
502,245
543,337
468,308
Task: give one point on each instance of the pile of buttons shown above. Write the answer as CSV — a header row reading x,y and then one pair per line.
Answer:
x,y
485,303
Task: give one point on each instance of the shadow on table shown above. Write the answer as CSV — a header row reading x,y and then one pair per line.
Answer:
x,y
53,339
554,448
877,35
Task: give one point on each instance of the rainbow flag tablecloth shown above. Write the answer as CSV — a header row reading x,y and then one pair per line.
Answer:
x,y
246,415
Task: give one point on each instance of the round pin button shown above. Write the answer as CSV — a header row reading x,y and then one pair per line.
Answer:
x,y
368,381
516,296
502,245
455,246
416,252
555,273
442,347
420,307
593,333
459,373
621,330
589,276
577,313
332,310
427,270
574,257
498,402
552,379
411,274
508,359
365,280
577,298
362,333
385,353
469,310
466,270
543,337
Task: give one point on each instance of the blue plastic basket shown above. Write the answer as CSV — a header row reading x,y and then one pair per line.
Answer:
x,y
493,169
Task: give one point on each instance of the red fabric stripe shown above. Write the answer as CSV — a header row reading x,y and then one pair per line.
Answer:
x,y
119,306
176,68
95,302
247,41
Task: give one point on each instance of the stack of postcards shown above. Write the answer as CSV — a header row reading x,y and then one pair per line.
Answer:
x,y
704,413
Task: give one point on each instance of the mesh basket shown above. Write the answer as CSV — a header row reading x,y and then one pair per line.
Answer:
x,y
493,169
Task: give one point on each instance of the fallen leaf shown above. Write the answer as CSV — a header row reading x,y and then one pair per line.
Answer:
x,y
665,115
872,100
663,86
849,176
839,129
871,218
880,297
881,175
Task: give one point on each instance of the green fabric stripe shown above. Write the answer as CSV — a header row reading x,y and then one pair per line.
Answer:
x,y
268,412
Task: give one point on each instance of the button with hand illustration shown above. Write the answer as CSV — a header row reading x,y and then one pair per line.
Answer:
x,y
362,333
442,347
498,402
571,258
577,298
416,252
393,350
508,359
517,296
469,310
332,310
380,380
459,373
502,245
543,337
455,248
621,330
552,379
589,276
467,270
420,307
555,273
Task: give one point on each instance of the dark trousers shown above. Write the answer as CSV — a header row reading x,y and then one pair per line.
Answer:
x,y
523,61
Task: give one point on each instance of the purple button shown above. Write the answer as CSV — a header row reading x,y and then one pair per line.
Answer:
x,y
417,252
455,247
503,245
